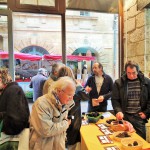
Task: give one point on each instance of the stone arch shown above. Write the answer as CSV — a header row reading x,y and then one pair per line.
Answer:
x,y
84,51
35,50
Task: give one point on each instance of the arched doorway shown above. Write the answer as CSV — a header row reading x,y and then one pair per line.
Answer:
x,y
84,51
87,65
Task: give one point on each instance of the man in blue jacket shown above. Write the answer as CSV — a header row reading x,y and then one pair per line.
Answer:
x,y
37,83
99,85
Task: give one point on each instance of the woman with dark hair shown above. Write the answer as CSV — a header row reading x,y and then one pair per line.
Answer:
x,y
73,132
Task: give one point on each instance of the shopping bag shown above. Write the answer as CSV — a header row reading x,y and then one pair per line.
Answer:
x,y
14,142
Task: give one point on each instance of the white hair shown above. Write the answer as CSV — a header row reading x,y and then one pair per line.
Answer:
x,y
62,83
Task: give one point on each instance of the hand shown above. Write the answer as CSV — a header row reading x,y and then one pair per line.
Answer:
x,y
100,99
142,115
119,115
69,121
88,89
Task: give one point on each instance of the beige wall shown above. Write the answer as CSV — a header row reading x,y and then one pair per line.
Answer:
x,y
96,31
136,35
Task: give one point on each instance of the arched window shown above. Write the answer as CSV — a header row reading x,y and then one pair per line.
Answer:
x,y
35,50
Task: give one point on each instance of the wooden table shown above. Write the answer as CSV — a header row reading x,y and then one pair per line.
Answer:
x,y
89,133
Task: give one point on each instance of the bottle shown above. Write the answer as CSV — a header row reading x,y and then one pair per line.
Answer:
x,y
148,131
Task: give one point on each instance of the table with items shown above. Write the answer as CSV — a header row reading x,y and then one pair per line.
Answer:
x,y
100,136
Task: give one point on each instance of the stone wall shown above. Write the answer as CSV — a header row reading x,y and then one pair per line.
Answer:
x,y
136,35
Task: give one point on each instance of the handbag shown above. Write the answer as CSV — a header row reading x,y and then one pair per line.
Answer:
x,y
14,142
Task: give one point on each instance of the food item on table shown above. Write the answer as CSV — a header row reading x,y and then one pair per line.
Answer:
x,y
93,114
102,117
110,120
135,143
120,122
131,144
123,135
119,135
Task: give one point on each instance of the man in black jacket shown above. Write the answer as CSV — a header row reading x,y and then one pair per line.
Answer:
x,y
99,85
131,97
14,110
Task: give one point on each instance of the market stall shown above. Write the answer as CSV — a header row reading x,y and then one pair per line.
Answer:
x,y
21,56
69,57
96,136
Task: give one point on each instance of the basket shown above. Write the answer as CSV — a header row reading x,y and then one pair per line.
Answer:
x,y
93,119
125,144
123,135
115,126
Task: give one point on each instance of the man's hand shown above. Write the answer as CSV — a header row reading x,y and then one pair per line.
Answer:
x,y
142,115
119,115
88,89
100,99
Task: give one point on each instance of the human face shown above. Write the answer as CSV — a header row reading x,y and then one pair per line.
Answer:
x,y
96,70
67,94
131,73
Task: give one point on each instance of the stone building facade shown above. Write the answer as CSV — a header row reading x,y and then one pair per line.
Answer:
x,y
98,31
137,35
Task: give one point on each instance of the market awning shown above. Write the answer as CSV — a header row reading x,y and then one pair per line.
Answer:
x,y
24,56
84,50
21,56
69,57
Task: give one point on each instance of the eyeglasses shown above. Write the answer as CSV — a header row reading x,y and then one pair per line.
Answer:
x,y
69,95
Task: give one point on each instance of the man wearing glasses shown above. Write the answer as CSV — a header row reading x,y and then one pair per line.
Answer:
x,y
131,97
48,121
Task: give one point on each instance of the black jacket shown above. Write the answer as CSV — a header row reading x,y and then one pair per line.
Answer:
x,y
119,94
73,132
106,88
14,110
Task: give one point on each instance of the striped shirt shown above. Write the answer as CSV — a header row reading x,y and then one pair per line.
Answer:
x,y
134,92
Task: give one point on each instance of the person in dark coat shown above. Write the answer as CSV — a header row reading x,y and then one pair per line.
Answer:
x,y
14,109
99,85
131,97
73,132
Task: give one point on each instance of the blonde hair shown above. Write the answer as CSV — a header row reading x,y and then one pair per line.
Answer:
x,y
66,71
5,76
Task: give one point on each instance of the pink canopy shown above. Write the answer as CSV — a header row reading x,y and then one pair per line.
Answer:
x,y
22,56
69,57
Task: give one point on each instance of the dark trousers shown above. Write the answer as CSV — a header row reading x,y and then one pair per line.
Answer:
x,y
138,123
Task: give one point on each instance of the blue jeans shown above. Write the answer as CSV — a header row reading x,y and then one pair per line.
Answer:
x,y
138,123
